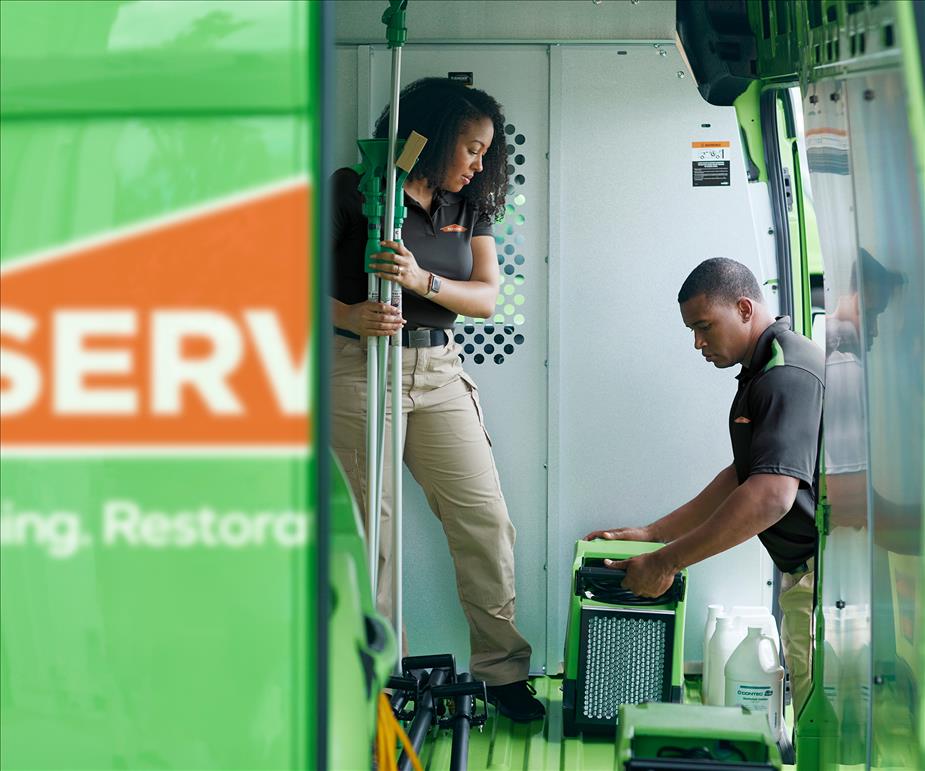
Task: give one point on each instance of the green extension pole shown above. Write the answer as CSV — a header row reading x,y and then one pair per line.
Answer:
x,y
374,169
373,153
380,178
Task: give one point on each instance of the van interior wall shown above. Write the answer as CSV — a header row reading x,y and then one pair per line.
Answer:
x,y
604,415
359,21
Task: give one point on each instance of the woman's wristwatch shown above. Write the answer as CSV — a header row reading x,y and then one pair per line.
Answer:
x,y
433,286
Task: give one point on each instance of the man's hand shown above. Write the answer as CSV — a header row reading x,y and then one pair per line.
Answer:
x,y
648,575
622,534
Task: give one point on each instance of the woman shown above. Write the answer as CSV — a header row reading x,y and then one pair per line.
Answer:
x,y
447,266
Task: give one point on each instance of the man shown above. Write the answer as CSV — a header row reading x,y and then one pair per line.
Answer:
x,y
770,488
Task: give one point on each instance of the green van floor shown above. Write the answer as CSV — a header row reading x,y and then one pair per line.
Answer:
x,y
537,746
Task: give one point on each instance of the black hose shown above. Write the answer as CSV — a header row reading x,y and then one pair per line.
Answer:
x,y
399,700
423,718
459,754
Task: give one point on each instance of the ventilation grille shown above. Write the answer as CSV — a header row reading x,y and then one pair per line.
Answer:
x,y
484,341
625,657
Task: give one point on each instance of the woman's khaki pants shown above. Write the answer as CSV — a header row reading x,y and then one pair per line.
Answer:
x,y
448,451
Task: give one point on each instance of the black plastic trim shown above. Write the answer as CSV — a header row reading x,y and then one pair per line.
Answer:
x,y
778,200
569,690
606,583
720,46
686,764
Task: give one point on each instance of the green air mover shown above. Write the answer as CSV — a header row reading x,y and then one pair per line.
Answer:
x,y
684,737
619,648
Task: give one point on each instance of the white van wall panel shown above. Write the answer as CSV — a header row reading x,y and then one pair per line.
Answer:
x,y
500,20
345,101
642,418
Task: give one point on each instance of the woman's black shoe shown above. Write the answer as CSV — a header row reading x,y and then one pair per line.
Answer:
x,y
516,701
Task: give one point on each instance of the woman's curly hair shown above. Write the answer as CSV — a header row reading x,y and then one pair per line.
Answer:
x,y
438,108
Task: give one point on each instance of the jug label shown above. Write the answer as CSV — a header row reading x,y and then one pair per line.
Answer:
x,y
757,698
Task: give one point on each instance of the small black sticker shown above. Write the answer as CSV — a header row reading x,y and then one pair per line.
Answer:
x,y
463,77
710,173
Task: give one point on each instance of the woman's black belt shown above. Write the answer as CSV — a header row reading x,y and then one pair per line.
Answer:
x,y
410,338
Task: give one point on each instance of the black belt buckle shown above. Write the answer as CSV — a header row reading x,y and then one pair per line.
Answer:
x,y
419,338
423,338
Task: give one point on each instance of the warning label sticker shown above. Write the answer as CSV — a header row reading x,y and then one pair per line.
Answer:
x,y
710,163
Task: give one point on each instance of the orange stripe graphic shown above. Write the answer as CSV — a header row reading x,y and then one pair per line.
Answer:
x,y
194,333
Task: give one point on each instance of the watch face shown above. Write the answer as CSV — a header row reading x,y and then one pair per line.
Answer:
x,y
434,283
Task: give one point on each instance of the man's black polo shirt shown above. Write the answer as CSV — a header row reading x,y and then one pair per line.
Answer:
x,y
440,240
774,424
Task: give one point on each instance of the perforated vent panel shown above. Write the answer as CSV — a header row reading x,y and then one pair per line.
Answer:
x,y
624,658
490,340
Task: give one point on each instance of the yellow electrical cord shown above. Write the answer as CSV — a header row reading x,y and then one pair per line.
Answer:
x,y
388,734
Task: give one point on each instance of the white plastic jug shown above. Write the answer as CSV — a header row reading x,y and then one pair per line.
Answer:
x,y
713,612
724,641
749,612
757,615
755,679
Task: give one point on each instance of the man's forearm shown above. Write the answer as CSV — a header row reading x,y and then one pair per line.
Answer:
x,y
752,508
698,510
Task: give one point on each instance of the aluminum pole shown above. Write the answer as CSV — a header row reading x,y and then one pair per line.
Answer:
x,y
397,443
373,500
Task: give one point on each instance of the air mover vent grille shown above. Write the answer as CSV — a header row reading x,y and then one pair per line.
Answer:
x,y
624,658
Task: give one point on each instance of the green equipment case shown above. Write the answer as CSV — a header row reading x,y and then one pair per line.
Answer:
x,y
694,736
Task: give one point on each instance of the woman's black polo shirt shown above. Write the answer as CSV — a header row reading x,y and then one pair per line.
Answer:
x,y
775,425
441,242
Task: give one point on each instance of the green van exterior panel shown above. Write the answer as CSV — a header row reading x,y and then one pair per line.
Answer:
x,y
128,57
122,118
75,178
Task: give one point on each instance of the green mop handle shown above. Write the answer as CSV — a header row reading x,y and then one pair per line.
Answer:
x,y
372,170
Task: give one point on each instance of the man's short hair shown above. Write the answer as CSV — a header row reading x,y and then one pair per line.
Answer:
x,y
721,279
